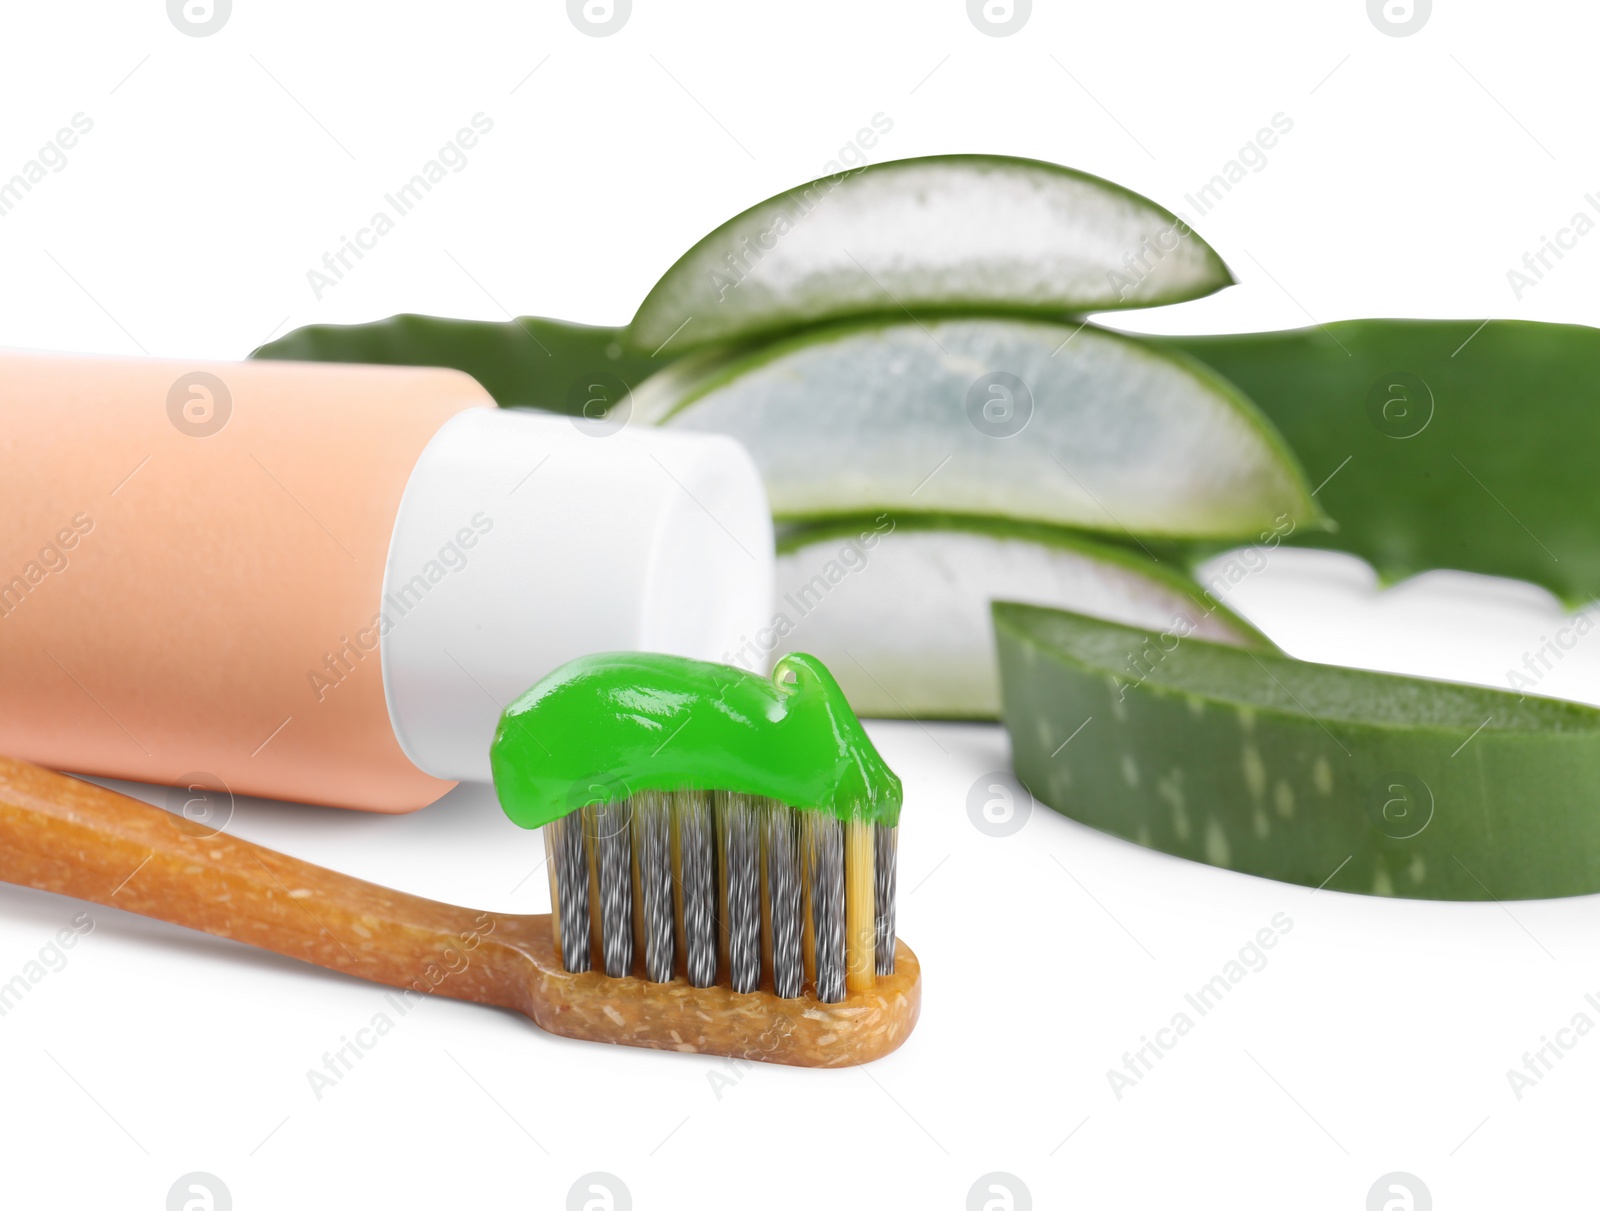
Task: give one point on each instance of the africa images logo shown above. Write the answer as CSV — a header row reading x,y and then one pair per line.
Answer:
x,y
1399,18
999,18
599,18
199,18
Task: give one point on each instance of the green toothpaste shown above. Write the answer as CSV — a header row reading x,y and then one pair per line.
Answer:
x,y
604,728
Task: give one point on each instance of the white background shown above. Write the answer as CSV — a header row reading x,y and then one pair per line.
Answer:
x,y
221,168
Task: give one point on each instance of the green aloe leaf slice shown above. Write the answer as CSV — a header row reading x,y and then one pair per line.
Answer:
x,y
940,233
528,362
992,417
1444,443
899,610
1325,776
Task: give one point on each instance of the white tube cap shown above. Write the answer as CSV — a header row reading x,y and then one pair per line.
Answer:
x,y
526,539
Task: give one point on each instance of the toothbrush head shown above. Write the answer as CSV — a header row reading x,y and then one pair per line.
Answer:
x,y
721,849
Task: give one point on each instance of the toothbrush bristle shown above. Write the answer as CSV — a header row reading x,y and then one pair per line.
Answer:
x,y
696,873
613,827
741,860
784,923
567,851
724,888
824,849
652,816
886,842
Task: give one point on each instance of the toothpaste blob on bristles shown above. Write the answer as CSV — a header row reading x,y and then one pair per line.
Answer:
x,y
605,727
749,818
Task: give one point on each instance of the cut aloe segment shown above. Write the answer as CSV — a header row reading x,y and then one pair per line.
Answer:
x,y
938,233
1444,443
1336,777
1017,419
899,610
528,362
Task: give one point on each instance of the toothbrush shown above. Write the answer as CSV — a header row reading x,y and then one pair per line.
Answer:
x,y
848,999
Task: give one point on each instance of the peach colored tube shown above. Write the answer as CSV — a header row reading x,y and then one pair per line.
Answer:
x,y
178,554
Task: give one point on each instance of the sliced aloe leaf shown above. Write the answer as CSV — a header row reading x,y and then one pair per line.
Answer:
x,y
899,609
1449,443
992,417
528,362
938,233
1324,776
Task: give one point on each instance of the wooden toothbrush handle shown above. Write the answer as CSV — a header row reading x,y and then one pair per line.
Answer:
x,y
66,835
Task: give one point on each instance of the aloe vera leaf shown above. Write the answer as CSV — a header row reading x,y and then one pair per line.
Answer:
x,y
899,608
1469,445
939,233
529,362
1325,776
992,417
